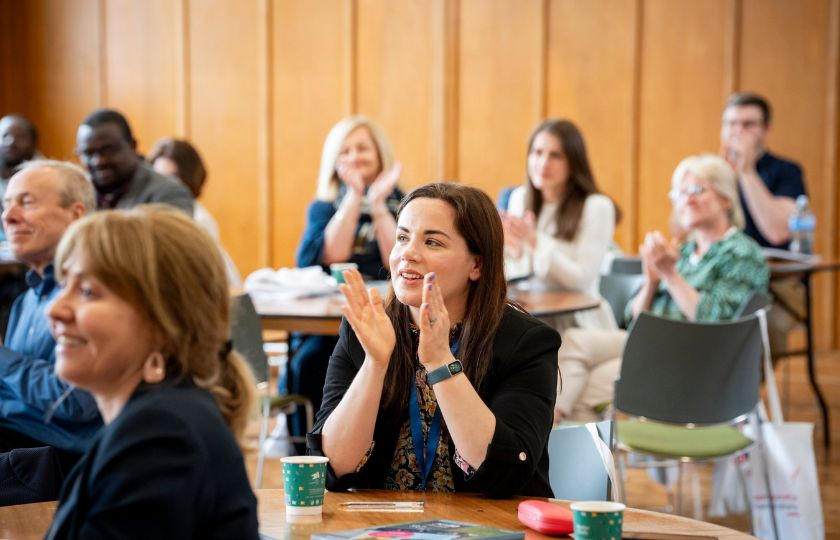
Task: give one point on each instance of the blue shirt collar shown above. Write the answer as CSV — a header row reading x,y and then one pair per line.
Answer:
x,y
41,284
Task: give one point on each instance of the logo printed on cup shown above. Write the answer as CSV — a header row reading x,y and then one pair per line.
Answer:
x,y
304,478
598,520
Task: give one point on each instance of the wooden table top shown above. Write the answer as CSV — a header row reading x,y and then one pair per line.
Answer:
x,y
459,507
29,521
322,314
779,267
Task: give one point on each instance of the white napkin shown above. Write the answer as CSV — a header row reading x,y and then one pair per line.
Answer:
x,y
290,283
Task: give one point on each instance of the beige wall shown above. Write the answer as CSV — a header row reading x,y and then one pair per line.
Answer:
x,y
457,84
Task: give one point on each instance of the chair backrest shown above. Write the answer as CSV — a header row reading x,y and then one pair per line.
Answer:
x,y
626,265
684,372
246,334
758,300
575,469
617,290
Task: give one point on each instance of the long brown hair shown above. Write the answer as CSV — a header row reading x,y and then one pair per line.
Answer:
x,y
580,184
159,261
477,220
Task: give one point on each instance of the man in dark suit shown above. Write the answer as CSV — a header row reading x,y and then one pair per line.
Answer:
x,y
106,146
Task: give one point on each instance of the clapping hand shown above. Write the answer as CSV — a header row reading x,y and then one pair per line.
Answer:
x,y
741,151
433,350
352,178
659,258
520,231
366,315
383,186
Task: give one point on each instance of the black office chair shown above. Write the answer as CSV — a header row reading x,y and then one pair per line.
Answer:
x,y
626,264
617,290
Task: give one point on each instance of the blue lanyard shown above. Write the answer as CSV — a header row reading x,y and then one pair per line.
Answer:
x,y
425,451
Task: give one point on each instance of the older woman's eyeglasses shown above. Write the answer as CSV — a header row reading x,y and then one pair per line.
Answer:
x,y
679,196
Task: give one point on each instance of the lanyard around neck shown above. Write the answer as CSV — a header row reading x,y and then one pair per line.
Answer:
x,y
425,450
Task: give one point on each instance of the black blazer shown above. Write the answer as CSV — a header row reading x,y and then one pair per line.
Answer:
x,y
166,467
520,389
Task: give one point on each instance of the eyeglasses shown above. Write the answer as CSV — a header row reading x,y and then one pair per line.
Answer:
x,y
106,151
743,124
691,190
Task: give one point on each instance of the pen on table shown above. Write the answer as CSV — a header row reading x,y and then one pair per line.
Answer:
x,y
386,504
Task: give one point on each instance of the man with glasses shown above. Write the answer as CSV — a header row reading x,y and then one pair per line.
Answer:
x,y
106,146
768,184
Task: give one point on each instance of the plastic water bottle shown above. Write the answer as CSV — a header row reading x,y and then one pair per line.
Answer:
x,y
801,225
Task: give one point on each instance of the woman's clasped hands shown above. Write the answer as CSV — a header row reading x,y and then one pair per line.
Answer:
x,y
659,257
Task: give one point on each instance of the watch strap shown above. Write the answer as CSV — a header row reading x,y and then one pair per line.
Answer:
x,y
444,372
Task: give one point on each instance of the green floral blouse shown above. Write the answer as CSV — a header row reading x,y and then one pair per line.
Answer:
x,y
729,273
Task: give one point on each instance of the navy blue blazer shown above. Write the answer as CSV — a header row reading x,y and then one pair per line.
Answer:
x,y
166,467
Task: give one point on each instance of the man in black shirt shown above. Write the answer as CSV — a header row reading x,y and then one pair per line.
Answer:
x,y
768,184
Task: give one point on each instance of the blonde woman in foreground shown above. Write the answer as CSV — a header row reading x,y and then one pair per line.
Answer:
x,y
141,324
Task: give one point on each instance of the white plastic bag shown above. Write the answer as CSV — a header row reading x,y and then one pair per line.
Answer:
x,y
787,449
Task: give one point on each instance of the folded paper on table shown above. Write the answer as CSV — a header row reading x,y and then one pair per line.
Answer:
x,y
289,283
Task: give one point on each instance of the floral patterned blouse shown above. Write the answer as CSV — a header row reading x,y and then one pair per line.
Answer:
x,y
405,474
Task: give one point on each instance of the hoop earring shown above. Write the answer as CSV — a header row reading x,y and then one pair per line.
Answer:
x,y
154,368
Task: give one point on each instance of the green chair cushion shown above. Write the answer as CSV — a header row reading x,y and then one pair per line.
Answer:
x,y
677,441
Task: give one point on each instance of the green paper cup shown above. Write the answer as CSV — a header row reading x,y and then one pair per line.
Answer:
x,y
303,484
336,270
598,520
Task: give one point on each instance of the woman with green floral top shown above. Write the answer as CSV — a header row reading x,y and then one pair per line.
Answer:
x,y
706,278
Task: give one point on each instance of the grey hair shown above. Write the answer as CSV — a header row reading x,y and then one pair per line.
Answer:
x,y
76,185
720,175
328,180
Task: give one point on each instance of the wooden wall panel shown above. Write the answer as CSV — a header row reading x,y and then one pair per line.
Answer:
x,y
308,100
140,66
59,68
395,80
223,74
457,84
501,74
784,55
11,98
592,82
682,89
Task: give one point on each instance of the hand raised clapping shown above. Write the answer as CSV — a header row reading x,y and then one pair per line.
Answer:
x,y
383,186
659,258
434,324
519,231
741,151
366,315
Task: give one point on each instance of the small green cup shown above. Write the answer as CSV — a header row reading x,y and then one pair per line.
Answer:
x,y
336,270
303,484
598,520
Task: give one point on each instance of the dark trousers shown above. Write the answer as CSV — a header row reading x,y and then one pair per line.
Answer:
x,y
305,375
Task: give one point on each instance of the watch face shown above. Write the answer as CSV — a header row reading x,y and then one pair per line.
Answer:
x,y
455,367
